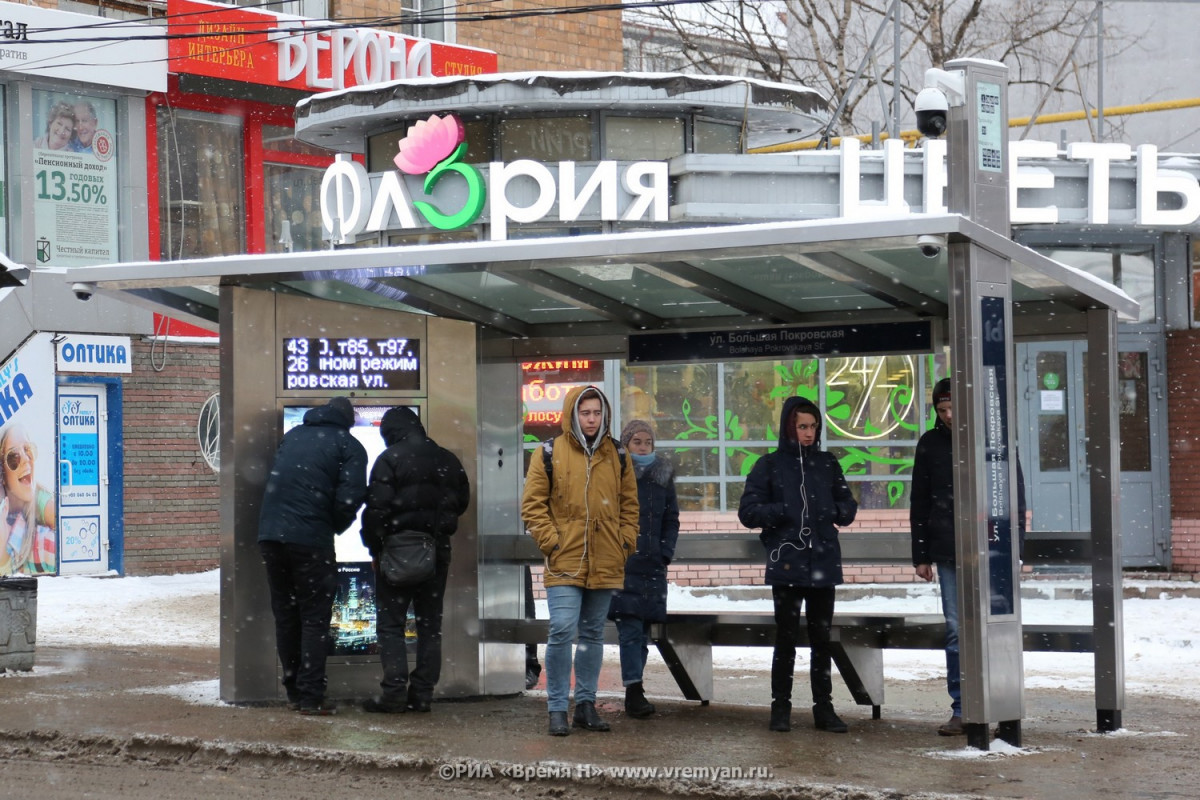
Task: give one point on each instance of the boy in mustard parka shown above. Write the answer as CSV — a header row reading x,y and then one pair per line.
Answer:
x,y
583,514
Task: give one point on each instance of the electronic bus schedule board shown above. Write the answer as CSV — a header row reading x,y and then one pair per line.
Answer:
x,y
352,364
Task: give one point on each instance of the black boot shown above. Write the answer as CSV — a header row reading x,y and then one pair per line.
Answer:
x,y
636,704
558,724
587,718
419,701
826,719
533,671
384,705
781,716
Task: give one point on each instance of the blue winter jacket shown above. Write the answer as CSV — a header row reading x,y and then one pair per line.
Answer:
x,y
318,481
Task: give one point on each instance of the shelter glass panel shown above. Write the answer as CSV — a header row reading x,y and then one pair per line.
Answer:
x,y
639,289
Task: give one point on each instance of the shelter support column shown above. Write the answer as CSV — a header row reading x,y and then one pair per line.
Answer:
x,y
983,385
985,500
1104,464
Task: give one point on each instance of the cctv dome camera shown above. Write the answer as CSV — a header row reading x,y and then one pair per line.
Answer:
x,y
931,244
83,291
932,107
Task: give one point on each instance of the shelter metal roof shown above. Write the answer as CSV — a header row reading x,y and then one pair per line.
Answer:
x,y
611,285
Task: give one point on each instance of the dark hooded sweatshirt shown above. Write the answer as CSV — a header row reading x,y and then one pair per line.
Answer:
x,y
318,480
931,501
797,495
416,485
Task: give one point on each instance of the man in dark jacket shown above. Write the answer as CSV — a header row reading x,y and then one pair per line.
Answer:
x,y
314,491
415,486
798,495
931,521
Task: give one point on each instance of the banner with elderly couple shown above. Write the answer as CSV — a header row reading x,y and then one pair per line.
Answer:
x,y
75,179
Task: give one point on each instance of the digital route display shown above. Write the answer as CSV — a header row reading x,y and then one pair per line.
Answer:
x,y
377,364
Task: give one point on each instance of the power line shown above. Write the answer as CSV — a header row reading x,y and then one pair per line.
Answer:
x,y
325,25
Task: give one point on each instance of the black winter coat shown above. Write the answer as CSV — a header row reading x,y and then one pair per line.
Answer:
x,y
416,485
645,593
931,501
318,480
797,495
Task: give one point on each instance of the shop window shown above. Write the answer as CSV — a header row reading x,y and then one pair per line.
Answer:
x,y
1129,268
278,139
383,147
546,139
1196,282
201,205
293,214
717,420
425,18
641,139
716,137
545,384
1133,404
76,179
3,174
292,173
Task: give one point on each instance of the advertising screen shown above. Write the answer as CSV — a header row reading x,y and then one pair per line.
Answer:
x,y
354,605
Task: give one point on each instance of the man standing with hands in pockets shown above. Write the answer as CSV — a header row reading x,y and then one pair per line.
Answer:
x,y
581,506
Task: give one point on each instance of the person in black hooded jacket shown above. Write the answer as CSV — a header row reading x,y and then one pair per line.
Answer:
x,y
316,486
931,522
416,485
797,495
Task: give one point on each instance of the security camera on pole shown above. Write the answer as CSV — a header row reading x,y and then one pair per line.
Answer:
x,y
968,100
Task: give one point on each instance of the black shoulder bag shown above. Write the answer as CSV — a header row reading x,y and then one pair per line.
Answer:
x,y
408,558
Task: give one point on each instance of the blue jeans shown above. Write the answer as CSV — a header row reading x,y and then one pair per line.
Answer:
x,y
634,636
574,612
948,581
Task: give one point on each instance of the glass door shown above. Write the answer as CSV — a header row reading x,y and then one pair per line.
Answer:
x,y
1053,410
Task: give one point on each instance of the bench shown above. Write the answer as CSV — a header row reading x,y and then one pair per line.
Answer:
x,y
686,639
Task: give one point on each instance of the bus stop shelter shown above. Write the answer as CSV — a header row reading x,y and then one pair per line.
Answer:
x,y
481,307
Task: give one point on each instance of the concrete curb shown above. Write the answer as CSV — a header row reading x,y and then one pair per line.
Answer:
x,y
173,751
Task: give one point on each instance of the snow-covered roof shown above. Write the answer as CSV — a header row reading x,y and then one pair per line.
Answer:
x,y
342,119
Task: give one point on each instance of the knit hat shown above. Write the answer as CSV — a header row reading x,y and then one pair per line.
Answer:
x,y
635,426
941,391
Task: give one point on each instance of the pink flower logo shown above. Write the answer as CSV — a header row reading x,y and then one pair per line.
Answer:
x,y
428,142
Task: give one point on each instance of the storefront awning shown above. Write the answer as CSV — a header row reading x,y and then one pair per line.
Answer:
x,y
573,288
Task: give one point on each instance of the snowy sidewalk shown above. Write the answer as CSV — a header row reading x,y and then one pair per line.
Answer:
x,y
129,667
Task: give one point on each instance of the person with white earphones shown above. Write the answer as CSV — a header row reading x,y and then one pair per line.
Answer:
x,y
798,496
580,504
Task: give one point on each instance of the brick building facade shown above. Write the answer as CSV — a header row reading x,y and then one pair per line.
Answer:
x,y
172,497
1183,358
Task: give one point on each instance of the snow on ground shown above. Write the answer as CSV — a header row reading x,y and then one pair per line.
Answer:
x,y
1162,636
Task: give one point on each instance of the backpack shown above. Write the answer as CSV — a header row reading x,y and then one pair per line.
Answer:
x,y
548,458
